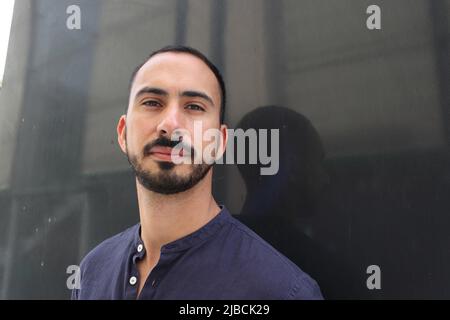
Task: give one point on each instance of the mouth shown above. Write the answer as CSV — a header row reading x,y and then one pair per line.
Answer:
x,y
163,153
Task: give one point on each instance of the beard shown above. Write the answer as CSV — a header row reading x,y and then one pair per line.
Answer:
x,y
165,180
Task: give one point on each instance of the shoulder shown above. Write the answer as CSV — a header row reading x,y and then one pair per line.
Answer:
x,y
107,251
266,265
99,266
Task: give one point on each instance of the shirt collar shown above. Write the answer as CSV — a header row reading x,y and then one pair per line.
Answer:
x,y
209,229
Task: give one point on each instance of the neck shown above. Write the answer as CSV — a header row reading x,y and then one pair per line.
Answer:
x,y
166,218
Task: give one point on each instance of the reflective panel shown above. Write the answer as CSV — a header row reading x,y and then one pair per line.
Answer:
x,y
361,198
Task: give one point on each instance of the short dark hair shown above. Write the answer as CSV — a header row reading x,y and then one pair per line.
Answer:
x,y
198,54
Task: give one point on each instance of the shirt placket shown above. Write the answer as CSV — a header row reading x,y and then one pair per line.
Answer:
x,y
132,280
150,289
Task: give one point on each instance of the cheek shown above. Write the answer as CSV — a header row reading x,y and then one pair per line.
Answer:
x,y
140,132
211,136
133,144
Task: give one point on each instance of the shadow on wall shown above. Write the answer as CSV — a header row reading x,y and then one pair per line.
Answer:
x,y
281,208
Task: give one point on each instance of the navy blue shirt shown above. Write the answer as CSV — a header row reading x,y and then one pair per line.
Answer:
x,y
222,260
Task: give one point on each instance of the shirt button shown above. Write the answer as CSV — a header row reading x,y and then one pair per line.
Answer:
x,y
133,281
153,283
140,247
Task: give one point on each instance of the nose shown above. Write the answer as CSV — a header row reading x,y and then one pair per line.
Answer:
x,y
170,121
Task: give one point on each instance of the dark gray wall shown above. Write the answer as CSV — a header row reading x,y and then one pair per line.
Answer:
x,y
377,103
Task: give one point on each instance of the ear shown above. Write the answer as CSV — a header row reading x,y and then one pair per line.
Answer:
x,y
122,133
224,140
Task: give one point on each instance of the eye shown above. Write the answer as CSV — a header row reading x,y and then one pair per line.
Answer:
x,y
151,103
194,107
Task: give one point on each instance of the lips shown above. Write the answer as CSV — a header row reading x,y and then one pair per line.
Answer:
x,y
163,153
161,150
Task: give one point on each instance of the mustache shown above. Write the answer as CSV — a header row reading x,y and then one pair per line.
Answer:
x,y
166,142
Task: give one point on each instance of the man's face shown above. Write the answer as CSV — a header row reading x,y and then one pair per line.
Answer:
x,y
170,92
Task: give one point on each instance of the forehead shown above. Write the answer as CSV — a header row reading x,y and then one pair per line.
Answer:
x,y
174,71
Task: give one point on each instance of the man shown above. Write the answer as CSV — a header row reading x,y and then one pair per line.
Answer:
x,y
186,246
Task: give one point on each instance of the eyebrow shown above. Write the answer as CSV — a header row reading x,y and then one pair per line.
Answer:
x,y
197,94
161,92
157,91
